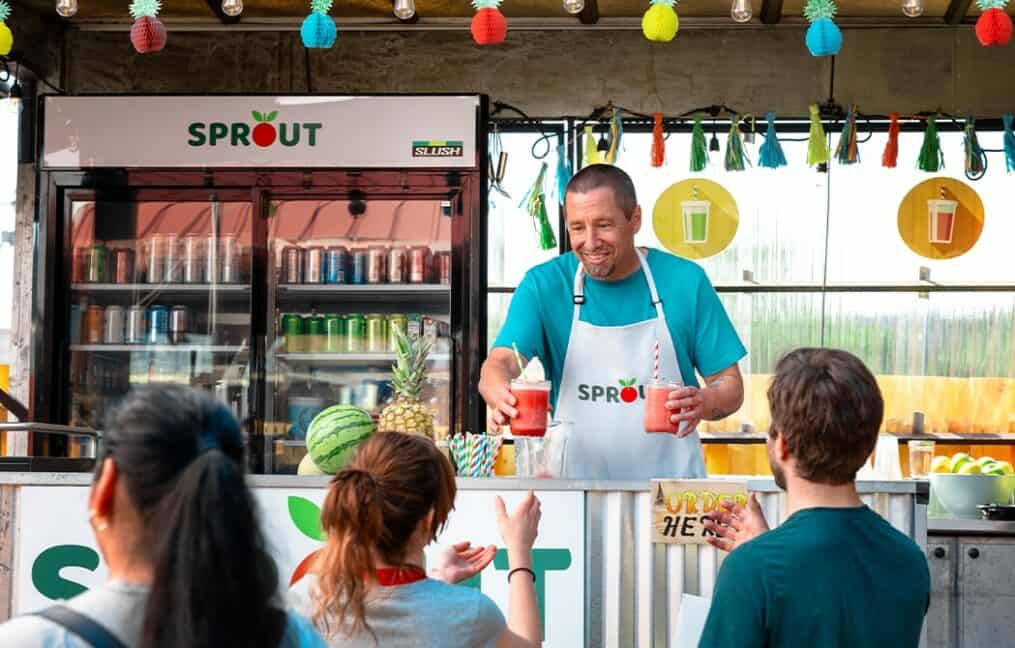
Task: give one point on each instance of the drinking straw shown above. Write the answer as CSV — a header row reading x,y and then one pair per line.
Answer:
x,y
655,364
476,455
518,356
492,446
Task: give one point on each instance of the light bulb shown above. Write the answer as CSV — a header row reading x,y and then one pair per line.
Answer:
x,y
574,6
912,8
404,9
67,8
232,7
741,11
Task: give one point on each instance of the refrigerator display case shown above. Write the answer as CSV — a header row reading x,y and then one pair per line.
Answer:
x,y
270,277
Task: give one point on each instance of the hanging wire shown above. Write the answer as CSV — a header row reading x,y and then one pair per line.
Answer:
x,y
545,136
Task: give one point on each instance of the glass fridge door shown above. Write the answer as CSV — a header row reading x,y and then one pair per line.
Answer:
x,y
159,293
343,274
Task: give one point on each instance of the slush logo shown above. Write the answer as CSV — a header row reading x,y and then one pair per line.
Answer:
x,y
628,392
437,149
263,133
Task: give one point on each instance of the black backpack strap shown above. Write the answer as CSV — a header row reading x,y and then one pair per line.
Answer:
x,y
85,627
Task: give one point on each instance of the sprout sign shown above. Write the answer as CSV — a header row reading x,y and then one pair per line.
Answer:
x,y
264,132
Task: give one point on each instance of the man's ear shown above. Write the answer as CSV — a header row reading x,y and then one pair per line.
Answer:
x,y
636,219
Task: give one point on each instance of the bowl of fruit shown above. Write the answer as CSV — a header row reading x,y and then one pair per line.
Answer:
x,y
961,483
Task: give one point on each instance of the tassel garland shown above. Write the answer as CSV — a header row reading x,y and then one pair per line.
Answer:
x,y
931,159
976,159
658,143
591,152
563,172
891,155
770,155
699,147
817,143
534,203
735,157
616,133
847,151
1009,142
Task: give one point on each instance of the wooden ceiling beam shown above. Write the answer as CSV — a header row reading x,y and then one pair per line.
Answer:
x,y
957,10
216,8
771,12
590,14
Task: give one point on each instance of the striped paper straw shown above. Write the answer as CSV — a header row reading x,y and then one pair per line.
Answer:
x,y
492,447
655,363
476,455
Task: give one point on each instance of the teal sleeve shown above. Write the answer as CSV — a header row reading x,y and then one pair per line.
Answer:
x,y
736,616
524,323
716,343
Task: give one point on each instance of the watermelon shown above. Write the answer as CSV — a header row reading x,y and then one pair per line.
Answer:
x,y
334,435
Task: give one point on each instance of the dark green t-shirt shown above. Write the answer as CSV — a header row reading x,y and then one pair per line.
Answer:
x,y
826,577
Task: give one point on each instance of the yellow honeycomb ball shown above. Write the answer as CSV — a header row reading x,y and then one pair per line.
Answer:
x,y
660,23
6,39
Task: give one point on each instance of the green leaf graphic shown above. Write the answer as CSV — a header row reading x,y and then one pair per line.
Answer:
x,y
307,517
271,116
257,116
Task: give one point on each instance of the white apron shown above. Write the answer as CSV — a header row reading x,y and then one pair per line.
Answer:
x,y
609,439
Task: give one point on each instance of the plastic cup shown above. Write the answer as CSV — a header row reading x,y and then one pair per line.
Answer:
x,y
533,407
657,416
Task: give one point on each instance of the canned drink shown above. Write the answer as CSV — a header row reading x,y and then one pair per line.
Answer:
x,y
212,272
178,324
336,260
293,332
79,265
334,333
377,333
419,265
123,265
430,328
292,265
230,264
358,274
94,323
444,268
316,337
113,331
414,325
173,271
369,395
355,333
398,271
135,328
192,259
397,321
154,259
313,265
158,325
376,265
97,270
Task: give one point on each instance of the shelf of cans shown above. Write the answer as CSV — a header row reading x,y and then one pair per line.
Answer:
x,y
373,265
92,325
354,333
164,259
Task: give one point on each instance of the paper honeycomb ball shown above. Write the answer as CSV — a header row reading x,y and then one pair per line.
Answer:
x,y
824,38
6,39
318,31
994,27
660,22
489,26
148,34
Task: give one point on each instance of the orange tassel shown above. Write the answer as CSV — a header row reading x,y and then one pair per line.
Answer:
x,y
658,144
891,154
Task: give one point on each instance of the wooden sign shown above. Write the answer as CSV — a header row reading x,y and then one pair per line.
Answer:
x,y
679,506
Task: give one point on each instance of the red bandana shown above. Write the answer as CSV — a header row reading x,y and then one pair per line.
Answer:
x,y
394,576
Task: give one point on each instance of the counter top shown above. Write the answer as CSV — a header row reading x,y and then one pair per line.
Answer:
x,y
940,526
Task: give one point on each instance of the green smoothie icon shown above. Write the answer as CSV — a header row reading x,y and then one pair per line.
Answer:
x,y
695,219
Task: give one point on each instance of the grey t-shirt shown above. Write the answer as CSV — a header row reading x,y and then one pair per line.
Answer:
x,y
423,614
119,607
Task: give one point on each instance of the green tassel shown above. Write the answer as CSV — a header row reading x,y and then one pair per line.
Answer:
x,y
976,159
817,144
547,240
534,204
699,147
932,158
736,159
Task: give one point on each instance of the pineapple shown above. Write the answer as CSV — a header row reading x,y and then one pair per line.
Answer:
x,y
408,413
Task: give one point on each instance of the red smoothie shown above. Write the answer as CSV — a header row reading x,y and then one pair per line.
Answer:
x,y
533,406
657,417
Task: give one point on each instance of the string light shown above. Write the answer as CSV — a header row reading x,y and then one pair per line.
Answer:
x,y
66,8
741,11
404,9
912,8
574,6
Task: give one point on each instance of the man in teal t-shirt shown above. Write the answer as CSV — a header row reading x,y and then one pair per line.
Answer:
x,y
605,320
835,574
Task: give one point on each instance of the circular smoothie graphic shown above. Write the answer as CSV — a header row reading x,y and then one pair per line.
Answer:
x,y
941,218
695,218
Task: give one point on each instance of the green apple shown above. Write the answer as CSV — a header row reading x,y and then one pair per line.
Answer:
x,y
992,469
941,465
959,459
1006,468
970,468
983,461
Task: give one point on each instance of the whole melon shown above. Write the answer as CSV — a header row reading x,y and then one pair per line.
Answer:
x,y
334,435
308,467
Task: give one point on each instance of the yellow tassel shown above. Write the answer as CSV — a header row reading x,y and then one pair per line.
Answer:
x,y
592,155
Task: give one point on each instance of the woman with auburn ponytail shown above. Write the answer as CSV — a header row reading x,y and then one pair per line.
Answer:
x,y
178,529
368,587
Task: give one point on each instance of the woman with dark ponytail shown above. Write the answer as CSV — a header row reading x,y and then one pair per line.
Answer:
x,y
178,529
368,587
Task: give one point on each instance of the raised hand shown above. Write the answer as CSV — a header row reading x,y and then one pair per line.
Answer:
x,y
734,525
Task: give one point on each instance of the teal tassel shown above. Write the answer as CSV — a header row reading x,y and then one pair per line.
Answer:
x,y
736,160
699,147
563,172
770,155
1009,142
932,159
976,159
847,151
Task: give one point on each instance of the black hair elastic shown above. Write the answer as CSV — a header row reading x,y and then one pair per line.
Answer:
x,y
522,569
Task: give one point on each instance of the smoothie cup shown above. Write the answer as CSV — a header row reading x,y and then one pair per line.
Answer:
x,y
533,406
657,417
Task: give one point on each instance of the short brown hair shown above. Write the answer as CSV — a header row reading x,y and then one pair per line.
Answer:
x,y
828,408
599,176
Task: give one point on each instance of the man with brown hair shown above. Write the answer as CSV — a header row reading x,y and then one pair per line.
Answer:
x,y
834,574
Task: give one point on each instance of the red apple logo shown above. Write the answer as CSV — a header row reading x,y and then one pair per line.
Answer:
x,y
264,132
628,394
306,516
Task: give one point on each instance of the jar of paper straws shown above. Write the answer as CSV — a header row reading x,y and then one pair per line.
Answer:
x,y
474,454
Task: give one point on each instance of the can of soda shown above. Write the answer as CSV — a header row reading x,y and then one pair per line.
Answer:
x,y
94,323
430,327
398,321
345,395
419,265
292,265
135,328
174,266
192,259
398,271
98,264
444,268
178,324
158,325
313,265
316,337
377,333
336,260
154,259
212,272
123,265
293,332
358,274
355,333
113,330
79,265
376,265
231,257
414,325
334,333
